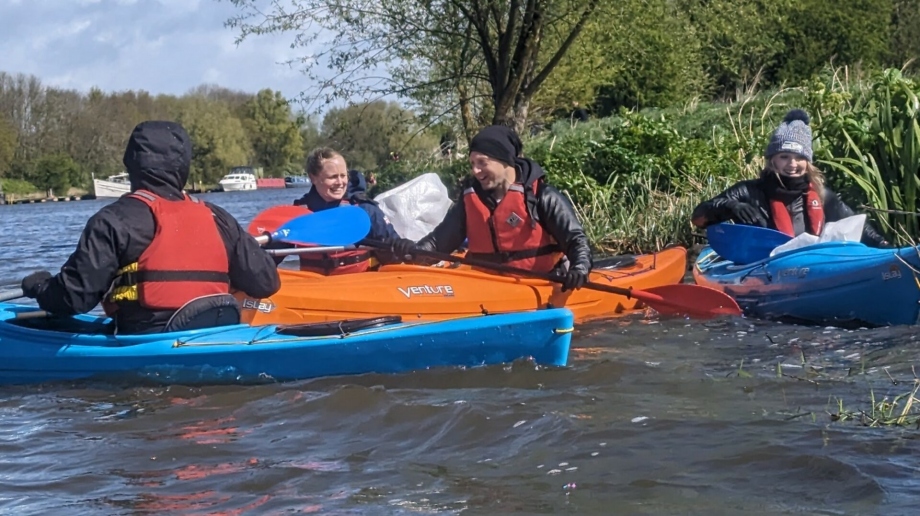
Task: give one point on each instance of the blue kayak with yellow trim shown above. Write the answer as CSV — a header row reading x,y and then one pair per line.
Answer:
x,y
840,283
47,349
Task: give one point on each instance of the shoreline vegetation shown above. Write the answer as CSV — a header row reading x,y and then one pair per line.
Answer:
x,y
635,176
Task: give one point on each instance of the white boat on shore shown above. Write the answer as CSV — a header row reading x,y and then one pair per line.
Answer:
x,y
238,181
113,186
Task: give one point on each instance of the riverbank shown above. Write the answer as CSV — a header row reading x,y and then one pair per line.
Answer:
x,y
77,194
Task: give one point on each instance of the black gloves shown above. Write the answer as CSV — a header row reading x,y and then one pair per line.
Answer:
x,y
744,213
575,278
402,247
32,282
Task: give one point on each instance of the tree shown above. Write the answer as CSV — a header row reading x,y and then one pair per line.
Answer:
x,y
274,133
367,133
7,146
55,172
905,34
218,139
310,134
427,49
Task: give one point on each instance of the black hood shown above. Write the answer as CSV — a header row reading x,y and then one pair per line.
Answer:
x,y
357,185
158,157
529,172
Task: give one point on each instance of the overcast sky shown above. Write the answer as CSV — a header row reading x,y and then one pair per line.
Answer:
x,y
162,46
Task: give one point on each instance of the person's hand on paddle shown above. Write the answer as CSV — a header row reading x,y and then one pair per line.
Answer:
x,y
574,279
745,213
403,247
32,282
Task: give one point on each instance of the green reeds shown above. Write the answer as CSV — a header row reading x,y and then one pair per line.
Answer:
x,y
877,131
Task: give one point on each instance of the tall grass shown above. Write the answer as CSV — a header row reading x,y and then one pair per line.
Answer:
x,y
872,136
635,178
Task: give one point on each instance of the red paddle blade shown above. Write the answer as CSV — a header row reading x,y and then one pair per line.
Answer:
x,y
687,299
270,219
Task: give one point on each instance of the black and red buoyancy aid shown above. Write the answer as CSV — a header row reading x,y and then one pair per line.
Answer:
x,y
813,211
509,234
333,264
187,258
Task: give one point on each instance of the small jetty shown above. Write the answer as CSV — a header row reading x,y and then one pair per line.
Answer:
x,y
36,200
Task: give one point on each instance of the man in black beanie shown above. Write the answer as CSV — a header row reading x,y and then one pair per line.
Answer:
x,y
511,215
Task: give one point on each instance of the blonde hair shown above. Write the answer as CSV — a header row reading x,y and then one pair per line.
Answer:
x,y
814,174
316,158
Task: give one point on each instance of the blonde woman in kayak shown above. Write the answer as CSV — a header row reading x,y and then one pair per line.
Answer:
x,y
334,185
789,196
510,215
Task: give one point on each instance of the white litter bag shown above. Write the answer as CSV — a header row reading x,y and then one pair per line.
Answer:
x,y
849,229
417,206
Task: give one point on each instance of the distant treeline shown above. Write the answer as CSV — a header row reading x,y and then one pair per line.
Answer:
x,y
637,54
51,138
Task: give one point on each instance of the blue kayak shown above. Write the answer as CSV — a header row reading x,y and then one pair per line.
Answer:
x,y
841,283
66,348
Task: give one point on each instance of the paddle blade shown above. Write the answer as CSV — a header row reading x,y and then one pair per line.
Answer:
x,y
343,225
687,299
270,219
743,244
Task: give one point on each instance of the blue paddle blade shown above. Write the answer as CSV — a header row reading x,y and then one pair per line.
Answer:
x,y
343,225
744,244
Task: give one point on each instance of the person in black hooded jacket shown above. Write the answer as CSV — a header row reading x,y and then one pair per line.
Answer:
x,y
789,196
511,215
157,159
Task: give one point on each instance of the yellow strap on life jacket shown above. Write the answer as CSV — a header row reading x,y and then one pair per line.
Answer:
x,y
123,292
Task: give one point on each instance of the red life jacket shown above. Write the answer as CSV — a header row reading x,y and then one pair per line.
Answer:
x,y
814,214
509,235
186,259
333,264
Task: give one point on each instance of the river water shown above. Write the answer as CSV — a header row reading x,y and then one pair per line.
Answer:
x,y
652,416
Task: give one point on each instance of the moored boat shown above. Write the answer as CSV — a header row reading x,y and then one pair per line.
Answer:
x,y
235,182
113,186
36,350
434,293
297,182
841,283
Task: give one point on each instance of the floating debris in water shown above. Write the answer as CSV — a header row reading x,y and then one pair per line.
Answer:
x,y
573,468
595,454
603,444
554,472
639,419
563,464
519,423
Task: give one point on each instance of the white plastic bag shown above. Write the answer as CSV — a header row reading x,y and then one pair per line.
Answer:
x,y
417,206
849,229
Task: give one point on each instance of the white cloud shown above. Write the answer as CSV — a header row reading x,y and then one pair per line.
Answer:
x,y
161,46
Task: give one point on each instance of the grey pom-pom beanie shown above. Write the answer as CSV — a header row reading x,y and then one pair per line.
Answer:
x,y
793,135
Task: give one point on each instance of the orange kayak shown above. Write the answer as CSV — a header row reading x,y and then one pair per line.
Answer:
x,y
418,292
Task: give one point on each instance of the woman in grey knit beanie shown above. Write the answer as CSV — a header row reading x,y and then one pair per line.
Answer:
x,y
789,196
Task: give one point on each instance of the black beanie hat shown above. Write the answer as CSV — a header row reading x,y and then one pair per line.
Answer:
x,y
498,142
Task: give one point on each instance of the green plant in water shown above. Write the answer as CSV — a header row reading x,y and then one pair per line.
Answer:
x,y
902,410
